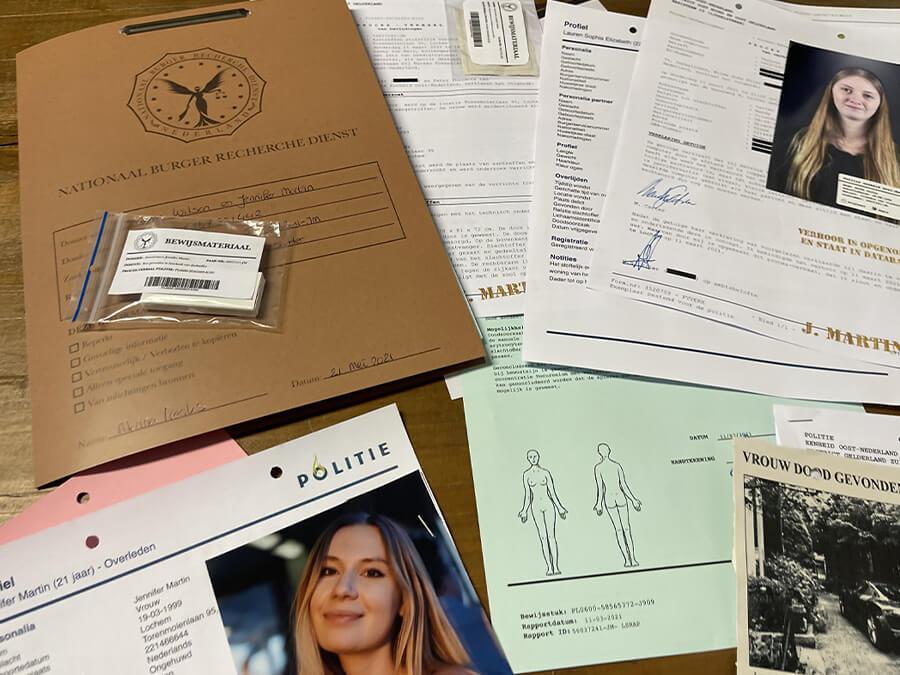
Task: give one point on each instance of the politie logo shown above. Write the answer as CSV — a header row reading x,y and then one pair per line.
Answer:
x,y
197,94
321,472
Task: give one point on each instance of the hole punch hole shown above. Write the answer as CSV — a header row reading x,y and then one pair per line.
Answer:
x,y
83,497
92,541
841,36
632,30
816,474
276,472
738,6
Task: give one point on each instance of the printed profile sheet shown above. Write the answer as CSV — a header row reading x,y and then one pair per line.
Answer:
x,y
816,561
857,435
470,140
215,593
219,117
760,192
587,486
588,60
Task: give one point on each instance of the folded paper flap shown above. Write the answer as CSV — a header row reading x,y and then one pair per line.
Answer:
x,y
122,479
222,118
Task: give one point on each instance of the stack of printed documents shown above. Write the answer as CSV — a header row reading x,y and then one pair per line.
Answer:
x,y
668,229
715,200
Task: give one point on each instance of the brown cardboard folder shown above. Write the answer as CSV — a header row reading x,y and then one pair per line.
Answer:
x,y
267,110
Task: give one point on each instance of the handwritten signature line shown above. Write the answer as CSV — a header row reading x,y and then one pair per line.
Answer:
x,y
645,257
674,195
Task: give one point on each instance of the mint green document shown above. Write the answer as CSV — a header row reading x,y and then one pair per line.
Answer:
x,y
605,508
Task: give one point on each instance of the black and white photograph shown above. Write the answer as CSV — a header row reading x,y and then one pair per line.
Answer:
x,y
374,585
838,114
823,580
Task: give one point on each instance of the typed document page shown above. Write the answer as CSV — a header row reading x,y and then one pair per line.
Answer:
x,y
857,435
758,183
588,59
470,140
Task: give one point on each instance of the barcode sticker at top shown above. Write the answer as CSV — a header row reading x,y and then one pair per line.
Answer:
x,y
189,262
475,27
496,33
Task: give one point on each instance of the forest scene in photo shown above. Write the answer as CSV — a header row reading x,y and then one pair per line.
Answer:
x,y
823,586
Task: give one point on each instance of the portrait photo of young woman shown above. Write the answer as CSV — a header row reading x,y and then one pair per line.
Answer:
x,y
366,606
850,130
374,586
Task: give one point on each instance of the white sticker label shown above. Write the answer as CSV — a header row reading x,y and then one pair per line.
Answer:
x,y
188,262
495,32
868,196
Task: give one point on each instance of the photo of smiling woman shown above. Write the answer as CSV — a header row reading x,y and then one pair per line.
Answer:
x,y
850,132
372,586
366,606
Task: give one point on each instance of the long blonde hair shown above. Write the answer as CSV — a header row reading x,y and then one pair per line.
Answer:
x,y
424,641
809,145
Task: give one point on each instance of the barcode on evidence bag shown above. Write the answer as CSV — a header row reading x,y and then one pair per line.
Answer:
x,y
475,24
182,284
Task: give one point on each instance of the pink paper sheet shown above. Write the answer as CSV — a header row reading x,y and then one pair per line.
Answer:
x,y
122,479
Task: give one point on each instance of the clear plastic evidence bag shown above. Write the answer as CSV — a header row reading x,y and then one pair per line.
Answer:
x,y
145,271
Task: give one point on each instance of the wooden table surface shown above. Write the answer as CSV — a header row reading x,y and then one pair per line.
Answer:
x,y
436,424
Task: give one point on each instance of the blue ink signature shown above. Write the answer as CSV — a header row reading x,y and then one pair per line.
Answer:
x,y
674,195
645,257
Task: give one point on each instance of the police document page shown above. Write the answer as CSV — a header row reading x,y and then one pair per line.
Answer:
x,y
259,566
588,59
604,507
470,140
857,435
758,180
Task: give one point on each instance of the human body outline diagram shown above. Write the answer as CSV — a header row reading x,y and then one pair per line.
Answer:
x,y
542,504
614,494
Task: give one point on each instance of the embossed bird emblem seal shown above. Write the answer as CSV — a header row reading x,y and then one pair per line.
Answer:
x,y
197,94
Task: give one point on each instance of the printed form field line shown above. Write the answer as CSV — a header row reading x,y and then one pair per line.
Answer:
x,y
233,189
376,175
286,196
383,363
193,414
678,348
597,44
619,573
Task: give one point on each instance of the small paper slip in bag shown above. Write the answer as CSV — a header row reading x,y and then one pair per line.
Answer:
x,y
494,36
207,304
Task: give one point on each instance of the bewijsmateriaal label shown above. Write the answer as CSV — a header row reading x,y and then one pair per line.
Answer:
x,y
495,32
188,262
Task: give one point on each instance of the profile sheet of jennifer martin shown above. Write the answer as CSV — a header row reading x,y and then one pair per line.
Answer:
x,y
332,557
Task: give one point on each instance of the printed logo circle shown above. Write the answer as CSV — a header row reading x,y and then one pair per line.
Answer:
x,y
144,241
509,6
197,94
